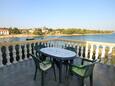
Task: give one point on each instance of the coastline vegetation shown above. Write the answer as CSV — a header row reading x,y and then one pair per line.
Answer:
x,y
50,31
83,31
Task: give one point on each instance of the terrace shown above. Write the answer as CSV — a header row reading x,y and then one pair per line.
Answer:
x,y
17,68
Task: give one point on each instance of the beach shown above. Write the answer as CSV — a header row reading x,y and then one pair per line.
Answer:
x,y
17,35
32,35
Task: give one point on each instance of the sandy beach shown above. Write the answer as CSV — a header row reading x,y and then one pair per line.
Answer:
x,y
31,35
17,35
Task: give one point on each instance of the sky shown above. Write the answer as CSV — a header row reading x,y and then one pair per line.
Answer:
x,y
90,14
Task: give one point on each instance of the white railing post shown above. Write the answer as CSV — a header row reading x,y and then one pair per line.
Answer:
x,y
86,51
97,52
91,52
51,43
81,52
48,44
62,44
1,64
103,54
110,55
54,43
71,44
57,43
25,52
78,51
20,53
30,50
74,46
14,54
7,55
34,49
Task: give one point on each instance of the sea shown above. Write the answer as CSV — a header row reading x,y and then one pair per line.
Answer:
x,y
109,38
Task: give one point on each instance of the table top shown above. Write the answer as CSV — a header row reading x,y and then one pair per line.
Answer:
x,y
58,53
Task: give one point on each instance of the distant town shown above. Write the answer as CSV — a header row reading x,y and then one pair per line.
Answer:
x,y
50,31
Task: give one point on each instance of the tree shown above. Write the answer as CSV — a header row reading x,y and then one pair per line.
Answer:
x,y
38,32
14,31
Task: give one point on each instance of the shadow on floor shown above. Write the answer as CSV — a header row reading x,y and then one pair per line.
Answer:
x,y
21,74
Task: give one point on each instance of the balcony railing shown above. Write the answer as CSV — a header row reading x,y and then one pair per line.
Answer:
x,y
19,51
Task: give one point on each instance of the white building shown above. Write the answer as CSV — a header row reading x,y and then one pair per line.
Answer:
x,y
4,31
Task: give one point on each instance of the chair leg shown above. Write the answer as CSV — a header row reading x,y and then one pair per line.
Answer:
x,y
91,80
70,68
82,62
54,71
35,73
81,81
42,78
67,73
66,67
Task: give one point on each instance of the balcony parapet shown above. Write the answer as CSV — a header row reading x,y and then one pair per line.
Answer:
x,y
13,52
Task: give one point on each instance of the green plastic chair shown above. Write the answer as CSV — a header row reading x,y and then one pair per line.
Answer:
x,y
38,53
39,46
84,71
66,63
70,48
43,66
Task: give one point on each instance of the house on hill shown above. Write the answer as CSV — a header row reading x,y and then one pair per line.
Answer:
x,y
4,31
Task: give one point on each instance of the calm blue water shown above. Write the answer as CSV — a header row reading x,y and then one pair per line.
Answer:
x,y
97,38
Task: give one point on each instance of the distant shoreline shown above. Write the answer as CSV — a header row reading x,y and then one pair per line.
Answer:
x,y
17,35
31,35
78,34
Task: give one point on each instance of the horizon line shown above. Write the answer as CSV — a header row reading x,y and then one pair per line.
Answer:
x,y
56,28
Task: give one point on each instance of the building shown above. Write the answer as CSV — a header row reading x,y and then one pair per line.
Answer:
x,y
4,31
45,30
31,30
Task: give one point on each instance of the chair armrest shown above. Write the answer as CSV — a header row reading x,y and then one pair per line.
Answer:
x,y
35,57
87,60
46,62
79,66
96,60
82,66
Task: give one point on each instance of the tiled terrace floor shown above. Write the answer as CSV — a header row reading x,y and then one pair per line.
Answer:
x,y
21,74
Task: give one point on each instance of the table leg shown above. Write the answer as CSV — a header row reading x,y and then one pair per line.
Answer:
x,y
60,72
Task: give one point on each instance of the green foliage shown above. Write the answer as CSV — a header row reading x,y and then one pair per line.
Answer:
x,y
14,31
50,29
83,31
37,32
69,31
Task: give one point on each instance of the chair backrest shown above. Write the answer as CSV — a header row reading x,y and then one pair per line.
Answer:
x,y
38,53
36,60
70,48
38,47
89,68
